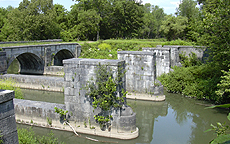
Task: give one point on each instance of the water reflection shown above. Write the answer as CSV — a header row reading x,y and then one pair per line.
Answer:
x,y
176,120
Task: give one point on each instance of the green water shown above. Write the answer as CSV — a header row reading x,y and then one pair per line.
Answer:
x,y
178,120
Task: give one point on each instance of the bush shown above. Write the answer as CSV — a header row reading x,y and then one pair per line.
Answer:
x,y
27,136
108,49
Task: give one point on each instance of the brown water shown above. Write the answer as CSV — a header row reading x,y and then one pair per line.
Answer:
x,y
178,120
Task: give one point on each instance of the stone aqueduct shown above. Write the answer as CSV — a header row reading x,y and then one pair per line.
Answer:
x,y
34,59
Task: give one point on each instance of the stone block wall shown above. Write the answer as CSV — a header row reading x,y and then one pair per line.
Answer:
x,y
162,59
3,62
37,82
37,112
140,70
54,70
8,128
78,72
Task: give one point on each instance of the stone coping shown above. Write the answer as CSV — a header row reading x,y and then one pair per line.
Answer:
x,y
156,48
6,95
83,61
145,97
136,52
41,45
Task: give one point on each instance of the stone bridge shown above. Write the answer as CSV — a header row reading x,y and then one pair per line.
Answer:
x,y
34,59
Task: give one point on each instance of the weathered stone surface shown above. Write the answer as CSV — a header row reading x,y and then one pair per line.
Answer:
x,y
37,109
77,73
3,62
33,59
37,82
140,70
8,127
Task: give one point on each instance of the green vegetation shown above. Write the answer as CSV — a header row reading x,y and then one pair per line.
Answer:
x,y
96,20
222,130
211,79
9,84
1,141
103,93
27,136
108,49
61,112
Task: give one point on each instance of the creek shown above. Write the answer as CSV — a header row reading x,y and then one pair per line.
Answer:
x,y
177,120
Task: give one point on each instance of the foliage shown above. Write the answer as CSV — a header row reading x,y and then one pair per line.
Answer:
x,y
9,84
26,136
61,112
103,92
108,49
194,80
32,20
223,87
1,141
192,60
215,29
173,27
220,129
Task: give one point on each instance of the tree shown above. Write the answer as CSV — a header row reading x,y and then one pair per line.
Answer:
x,y
32,20
88,25
189,9
173,27
216,27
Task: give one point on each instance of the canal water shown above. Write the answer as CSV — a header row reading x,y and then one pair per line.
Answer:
x,y
178,120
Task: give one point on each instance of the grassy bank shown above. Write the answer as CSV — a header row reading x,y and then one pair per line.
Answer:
x,y
9,84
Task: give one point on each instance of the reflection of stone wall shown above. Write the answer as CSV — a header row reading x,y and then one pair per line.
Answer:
x,y
8,127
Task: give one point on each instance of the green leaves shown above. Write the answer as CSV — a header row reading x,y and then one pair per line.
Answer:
x,y
173,27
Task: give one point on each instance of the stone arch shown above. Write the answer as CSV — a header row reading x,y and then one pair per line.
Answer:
x,y
30,64
62,55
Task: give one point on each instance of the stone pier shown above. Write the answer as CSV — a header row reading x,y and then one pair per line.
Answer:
x,y
8,128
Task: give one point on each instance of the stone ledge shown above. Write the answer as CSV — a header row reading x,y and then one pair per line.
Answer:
x,y
146,97
82,130
6,95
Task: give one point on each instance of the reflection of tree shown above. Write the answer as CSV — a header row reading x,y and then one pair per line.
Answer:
x,y
186,108
146,112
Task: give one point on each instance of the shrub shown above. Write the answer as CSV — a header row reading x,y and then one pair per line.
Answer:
x,y
27,136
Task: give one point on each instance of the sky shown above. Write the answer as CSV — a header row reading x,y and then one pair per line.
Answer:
x,y
169,6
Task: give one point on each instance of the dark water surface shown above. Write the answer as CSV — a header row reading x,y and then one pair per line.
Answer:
x,y
178,120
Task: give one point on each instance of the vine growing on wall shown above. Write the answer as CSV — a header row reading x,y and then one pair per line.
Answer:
x,y
103,92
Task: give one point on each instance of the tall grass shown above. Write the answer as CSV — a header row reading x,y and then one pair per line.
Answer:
x,y
9,84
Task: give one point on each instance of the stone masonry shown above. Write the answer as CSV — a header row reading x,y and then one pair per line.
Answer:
x,y
140,70
8,128
77,73
3,63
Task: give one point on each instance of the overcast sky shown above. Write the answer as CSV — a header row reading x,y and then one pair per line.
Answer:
x,y
168,5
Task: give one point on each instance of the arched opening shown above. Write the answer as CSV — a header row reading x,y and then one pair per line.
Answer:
x,y
27,63
61,55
